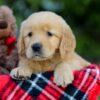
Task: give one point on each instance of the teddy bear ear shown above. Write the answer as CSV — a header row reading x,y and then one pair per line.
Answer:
x,y
20,44
6,9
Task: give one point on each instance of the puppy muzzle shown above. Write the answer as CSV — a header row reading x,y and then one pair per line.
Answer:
x,y
37,48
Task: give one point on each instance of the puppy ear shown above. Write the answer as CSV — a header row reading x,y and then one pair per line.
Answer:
x,y
68,42
20,44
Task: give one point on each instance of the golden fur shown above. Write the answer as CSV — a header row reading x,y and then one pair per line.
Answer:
x,y
58,50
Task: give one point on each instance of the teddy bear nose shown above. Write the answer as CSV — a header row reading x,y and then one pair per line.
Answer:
x,y
3,24
36,47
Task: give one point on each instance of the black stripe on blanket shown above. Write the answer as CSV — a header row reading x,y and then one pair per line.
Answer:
x,y
35,84
70,91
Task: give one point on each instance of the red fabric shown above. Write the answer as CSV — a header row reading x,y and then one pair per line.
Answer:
x,y
86,86
10,41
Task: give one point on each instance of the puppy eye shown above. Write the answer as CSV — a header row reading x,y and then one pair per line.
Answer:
x,y
49,34
30,34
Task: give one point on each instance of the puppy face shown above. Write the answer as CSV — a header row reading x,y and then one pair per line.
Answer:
x,y
42,34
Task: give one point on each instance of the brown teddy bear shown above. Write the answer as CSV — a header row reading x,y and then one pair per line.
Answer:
x,y
8,49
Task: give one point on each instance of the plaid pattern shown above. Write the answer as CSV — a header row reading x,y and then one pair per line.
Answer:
x,y
86,86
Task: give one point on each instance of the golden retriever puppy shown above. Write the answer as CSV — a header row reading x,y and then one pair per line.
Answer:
x,y
46,42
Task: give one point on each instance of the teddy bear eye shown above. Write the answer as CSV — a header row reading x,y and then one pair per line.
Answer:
x,y
30,34
49,34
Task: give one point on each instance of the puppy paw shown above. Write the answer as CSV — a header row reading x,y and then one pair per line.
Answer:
x,y
20,73
63,76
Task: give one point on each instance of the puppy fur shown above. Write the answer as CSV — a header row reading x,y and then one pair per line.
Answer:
x,y
57,52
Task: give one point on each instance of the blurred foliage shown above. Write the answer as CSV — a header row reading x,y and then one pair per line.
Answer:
x,y
82,15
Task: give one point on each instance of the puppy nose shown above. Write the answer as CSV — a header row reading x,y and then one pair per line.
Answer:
x,y
3,24
36,47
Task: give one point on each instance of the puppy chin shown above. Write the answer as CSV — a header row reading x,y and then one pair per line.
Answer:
x,y
37,57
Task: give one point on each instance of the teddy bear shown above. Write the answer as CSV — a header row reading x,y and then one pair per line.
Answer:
x,y
8,48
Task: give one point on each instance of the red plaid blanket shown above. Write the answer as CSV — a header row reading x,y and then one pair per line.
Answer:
x,y
86,86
